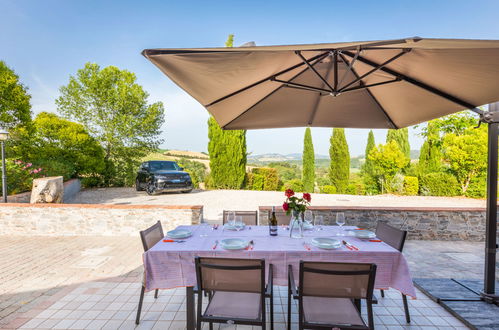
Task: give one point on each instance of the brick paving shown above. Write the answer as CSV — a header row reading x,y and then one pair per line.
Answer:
x,y
94,283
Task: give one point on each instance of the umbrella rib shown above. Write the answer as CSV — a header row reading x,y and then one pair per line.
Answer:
x,y
316,105
311,67
320,56
371,94
317,60
404,51
370,85
415,82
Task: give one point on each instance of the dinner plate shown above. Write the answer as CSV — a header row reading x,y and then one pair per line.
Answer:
x,y
234,243
232,227
326,243
362,233
179,233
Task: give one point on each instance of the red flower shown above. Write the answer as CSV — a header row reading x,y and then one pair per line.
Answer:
x,y
285,206
289,193
307,197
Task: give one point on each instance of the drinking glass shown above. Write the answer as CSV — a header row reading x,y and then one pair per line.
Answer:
x,y
309,217
231,218
340,221
319,222
238,223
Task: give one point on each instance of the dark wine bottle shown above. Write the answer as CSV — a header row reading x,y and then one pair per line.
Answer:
x,y
273,223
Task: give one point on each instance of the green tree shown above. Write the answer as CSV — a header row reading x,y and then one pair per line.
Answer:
x,y
308,159
15,107
114,109
367,169
387,160
60,143
227,150
466,154
401,136
339,169
430,156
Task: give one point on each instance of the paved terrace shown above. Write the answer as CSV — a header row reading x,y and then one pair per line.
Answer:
x,y
94,283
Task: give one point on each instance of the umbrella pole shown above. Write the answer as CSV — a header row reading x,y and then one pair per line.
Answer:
x,y
491,216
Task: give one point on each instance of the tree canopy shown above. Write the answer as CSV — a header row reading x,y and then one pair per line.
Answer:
x,y
308,159
401,136
114,109
15,107
339,169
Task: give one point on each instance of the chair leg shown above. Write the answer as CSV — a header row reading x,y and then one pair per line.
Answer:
x,y
272,312
382,293
406,309
211,326
137,319
289,306
156,294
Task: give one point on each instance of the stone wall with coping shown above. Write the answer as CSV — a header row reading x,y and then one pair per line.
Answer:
x,y
422,223
92,219
71,189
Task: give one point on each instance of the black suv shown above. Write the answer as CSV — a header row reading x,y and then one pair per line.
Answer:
x,y
161,176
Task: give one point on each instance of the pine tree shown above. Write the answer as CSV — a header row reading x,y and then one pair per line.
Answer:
x,y
430,157
227,150
308,162
401,136
339,169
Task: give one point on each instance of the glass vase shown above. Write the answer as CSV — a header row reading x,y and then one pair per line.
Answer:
x,y
296,225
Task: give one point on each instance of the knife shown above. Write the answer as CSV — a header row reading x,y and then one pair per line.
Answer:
x,y
350,246
214,245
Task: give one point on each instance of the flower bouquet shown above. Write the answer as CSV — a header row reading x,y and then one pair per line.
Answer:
x,y
297,206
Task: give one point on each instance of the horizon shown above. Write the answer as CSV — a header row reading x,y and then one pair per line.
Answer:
x,y
47,42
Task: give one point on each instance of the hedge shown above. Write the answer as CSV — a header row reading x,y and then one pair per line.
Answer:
x,y
328,189
262,178
411,185
439,184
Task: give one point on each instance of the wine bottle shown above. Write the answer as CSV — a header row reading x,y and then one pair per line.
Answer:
x,y
273,223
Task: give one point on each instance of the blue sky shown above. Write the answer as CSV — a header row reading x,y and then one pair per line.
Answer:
x,y
46,41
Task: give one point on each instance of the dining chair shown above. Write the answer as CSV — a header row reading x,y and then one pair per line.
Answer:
x,y
149,238
396,239
329,294
237,291
282,218
250,218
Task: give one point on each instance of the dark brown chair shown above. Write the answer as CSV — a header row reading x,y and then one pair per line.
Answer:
x,y
250,218
236,290
396,239
149,237
282,218
329,295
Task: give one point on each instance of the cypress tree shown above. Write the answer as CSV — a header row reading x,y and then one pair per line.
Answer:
x,y
308,162
368,168
401,136
430,156
339,169
370,144
227,150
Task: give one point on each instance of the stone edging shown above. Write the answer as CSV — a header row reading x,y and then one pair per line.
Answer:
x,y
105,206
386,208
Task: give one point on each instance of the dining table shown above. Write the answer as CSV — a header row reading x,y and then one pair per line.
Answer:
x,y
170,264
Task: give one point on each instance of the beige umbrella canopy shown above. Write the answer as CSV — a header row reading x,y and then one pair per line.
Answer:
x,y
375,84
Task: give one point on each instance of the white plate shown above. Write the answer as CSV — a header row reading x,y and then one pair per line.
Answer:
x,y
362,233
326,243
234,243
179,233
231,227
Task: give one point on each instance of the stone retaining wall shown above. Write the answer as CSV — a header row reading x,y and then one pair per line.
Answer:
x,y
71,189
422,223
91,219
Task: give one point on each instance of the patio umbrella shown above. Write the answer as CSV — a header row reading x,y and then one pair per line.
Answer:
x,y
374,84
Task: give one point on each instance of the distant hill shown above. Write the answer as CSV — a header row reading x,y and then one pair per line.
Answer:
x,y
275,157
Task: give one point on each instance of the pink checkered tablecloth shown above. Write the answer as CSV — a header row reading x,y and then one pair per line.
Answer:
x,y
169,265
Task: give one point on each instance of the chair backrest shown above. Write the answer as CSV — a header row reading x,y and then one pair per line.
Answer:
x,y
151,235
229,274
391,235
250,218
282,218
337,279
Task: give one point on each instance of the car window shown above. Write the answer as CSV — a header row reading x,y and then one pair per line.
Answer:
x,y
163,166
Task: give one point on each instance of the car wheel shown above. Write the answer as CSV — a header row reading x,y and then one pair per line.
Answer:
x,y
137,185
150,189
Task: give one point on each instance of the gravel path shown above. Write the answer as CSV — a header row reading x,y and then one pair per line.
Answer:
x,y
215,201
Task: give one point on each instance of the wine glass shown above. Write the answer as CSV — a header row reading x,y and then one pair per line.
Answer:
x,y
340,221
231,218
309,218
319,222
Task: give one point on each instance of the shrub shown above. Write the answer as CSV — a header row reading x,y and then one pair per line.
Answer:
x,y
20,176
295,184
477,187
208,182
263,178
328,189
196,170
92,181
439,184
395,184
411,185
56,168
